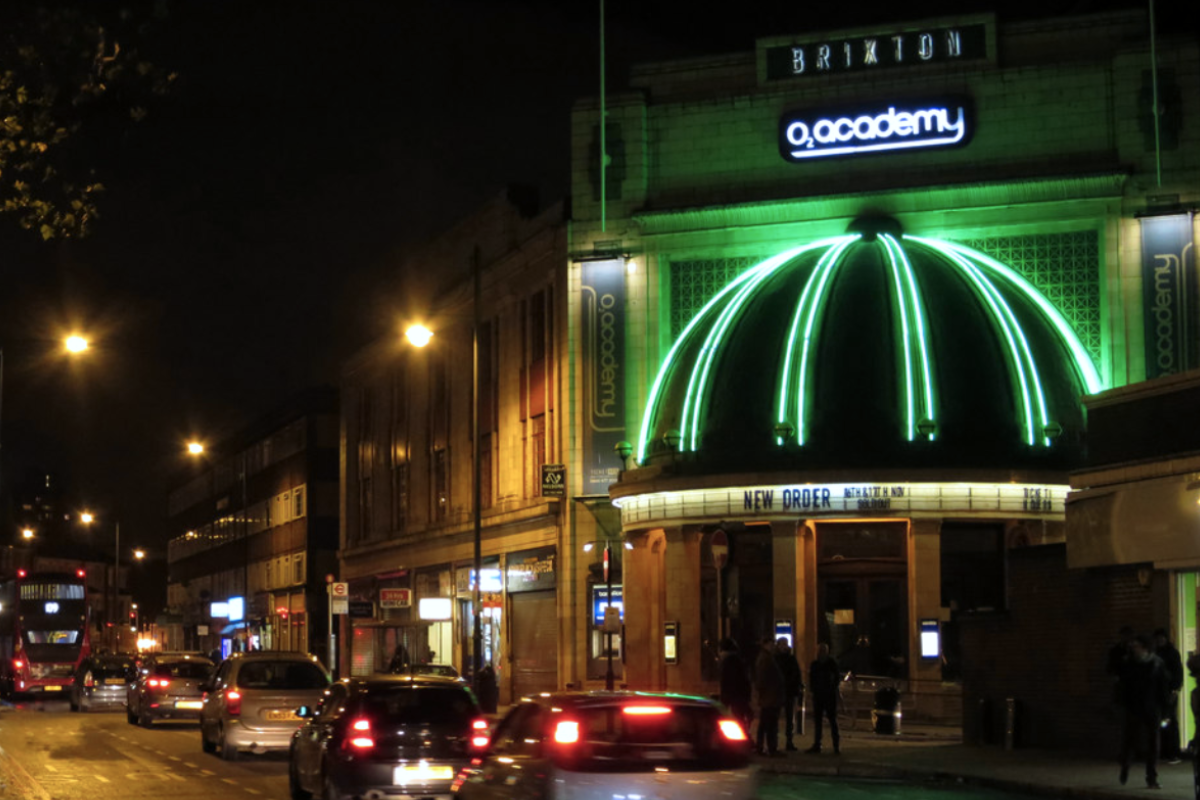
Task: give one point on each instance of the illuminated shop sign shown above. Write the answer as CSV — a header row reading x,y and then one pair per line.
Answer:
x,y
1169,296
831,56
785,502
906,125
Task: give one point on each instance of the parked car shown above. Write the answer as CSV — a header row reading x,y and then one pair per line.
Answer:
x,y
251,702
378,736
436,670
613,744
168,686
102,682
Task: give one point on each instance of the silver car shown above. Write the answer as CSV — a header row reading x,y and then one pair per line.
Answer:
x,y
605,745
251,702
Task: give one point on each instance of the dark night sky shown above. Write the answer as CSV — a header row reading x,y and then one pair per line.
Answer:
x,y
249,220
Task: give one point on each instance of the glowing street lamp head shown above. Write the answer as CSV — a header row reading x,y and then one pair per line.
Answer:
x,y
87,518
195,449
75,344
27,533
139,554
418,335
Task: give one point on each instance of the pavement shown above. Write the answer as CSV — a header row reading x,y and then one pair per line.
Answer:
x,y
928,753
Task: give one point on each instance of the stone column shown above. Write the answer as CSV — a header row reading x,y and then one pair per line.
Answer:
x,y
806,593
682,605
924,600
644,601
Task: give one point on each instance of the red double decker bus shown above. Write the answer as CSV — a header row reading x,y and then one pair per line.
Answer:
x,y
44,631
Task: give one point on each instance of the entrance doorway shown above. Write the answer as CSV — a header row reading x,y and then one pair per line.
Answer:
x,y
862,596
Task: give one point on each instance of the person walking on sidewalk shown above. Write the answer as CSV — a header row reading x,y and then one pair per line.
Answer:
x,y
1174,665
768,682
1146,696
793,687
823,680
735,683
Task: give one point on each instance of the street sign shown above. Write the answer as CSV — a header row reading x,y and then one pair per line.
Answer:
x,y
361,609
554,480
340,605
337,589
612,620
720,548
395,598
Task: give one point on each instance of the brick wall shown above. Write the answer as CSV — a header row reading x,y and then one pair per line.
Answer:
x,y
1048,650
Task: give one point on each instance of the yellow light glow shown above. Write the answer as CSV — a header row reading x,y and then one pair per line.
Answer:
x,y
75,344
27,533
139,554
87,518
195,448
418,335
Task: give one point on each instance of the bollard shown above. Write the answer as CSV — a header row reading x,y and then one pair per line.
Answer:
x,y
1010,723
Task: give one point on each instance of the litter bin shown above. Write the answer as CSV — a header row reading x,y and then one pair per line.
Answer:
x,y
885,715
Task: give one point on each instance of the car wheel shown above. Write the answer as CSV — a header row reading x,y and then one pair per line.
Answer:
x,y
144,718
74,704
130,717
294,788
330,790
228,751
205,744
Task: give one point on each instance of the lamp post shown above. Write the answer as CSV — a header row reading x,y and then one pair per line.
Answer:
x,y
88,518
419,336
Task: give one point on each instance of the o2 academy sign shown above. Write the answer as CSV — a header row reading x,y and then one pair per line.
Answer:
x,y
905,125
877,51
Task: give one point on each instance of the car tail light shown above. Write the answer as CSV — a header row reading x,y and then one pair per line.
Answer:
x,y
360,735
18,664
566,732
646,711
158,683
88,681
479,734
233,702
732,730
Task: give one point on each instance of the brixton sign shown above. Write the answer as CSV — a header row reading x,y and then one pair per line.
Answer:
x,y
904,125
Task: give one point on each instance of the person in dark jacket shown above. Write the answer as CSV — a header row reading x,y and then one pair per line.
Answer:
x,y
1117,662
768,682
1147,694
735,682
823,679
1173,663
793,688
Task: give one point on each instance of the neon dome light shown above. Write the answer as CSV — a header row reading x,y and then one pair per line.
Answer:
x,y
909,280
918,312
665,370
1083,361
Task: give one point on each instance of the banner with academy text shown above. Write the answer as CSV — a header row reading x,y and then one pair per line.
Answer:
x,y
602,369
1169,294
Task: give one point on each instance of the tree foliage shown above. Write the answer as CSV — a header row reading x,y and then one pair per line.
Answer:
x,y
71,81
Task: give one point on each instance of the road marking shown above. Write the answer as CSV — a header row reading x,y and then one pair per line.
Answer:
x,y
189,764
102,779
159,753
253,791
230,781
207,772
175,758
175,777
52,768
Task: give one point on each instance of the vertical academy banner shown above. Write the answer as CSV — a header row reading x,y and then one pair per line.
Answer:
x,y
602,366
1169,294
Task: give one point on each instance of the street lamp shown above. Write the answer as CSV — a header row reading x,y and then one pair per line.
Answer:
x,y
197,449
87,518
27,534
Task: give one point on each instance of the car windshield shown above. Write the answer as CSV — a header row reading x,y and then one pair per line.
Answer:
x,y
111,669
441,670
679,737
198,670
434,705
287,675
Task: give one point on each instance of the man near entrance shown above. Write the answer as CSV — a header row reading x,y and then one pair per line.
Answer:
x,y
823,680
793,687
768,682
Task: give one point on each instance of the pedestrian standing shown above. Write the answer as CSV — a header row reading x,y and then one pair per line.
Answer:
x,y
823,679
768,682
1173,663
1193,666
735,682
1146,696
793,688
1117,663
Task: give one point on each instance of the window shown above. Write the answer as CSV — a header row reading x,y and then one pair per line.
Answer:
x,y
298,503
537,453
487,497
298,569
441,487
399,451
366,507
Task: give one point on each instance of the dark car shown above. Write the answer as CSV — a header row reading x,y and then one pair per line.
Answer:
x,y
101,682
386,735
436,670
168,686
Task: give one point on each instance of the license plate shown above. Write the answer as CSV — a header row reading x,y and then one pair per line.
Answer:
x,y
188,704
422,773
114,681
282,716
52,688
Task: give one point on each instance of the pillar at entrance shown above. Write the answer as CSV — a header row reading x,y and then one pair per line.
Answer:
x,y
682,573
644,602
925,595
787,578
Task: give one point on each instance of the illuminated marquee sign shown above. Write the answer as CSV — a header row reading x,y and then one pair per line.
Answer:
x,y
822,133
877,51
784,502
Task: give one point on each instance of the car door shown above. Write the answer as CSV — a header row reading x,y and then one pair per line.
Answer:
x,y
134,693
314,736
210,712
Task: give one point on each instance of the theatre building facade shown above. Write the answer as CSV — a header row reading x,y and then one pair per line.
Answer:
x,y
849,291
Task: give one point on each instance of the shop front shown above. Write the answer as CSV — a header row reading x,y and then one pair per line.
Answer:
x,y
531,583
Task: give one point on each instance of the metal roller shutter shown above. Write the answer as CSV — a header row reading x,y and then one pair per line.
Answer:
x,y
534,643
